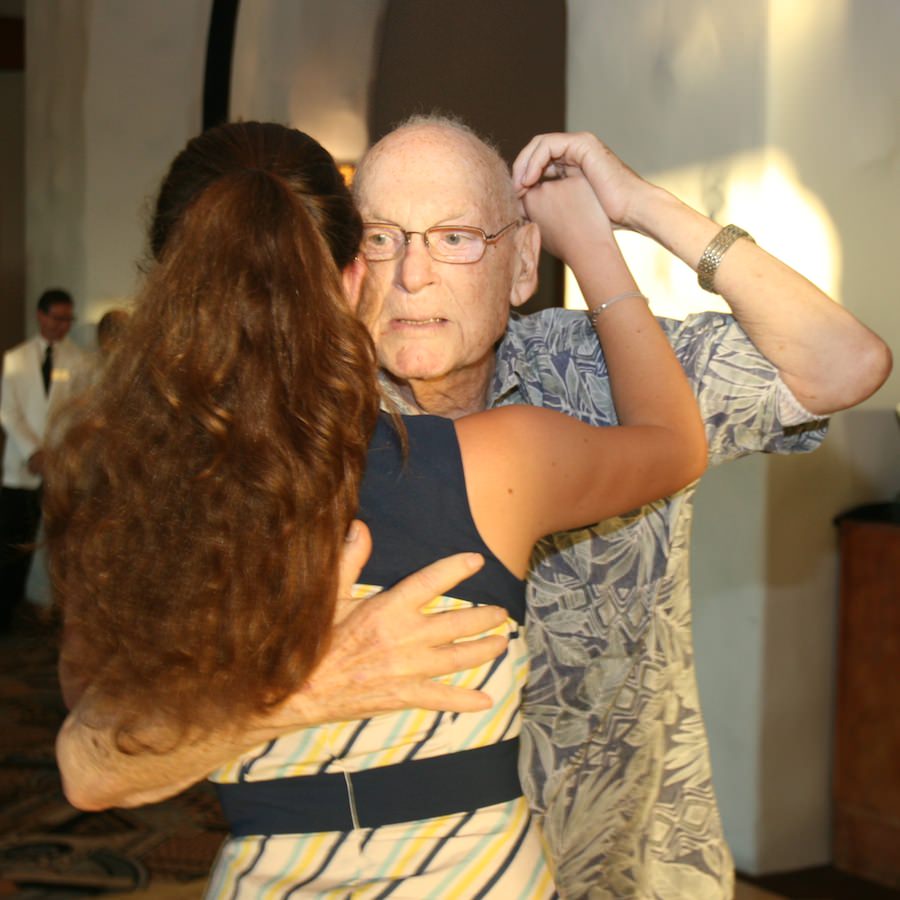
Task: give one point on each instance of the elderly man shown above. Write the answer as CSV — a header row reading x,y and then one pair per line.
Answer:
x,y
37,375
612,692
615,755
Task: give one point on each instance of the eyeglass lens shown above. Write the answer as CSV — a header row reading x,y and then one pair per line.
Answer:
x,y
444,243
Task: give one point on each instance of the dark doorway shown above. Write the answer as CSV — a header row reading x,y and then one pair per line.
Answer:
x,y
498,64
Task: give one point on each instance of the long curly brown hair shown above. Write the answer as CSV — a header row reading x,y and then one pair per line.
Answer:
x,y
200,491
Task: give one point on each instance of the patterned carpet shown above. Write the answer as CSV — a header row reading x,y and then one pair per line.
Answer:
x,y
48,849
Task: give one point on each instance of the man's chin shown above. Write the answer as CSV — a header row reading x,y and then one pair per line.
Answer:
x,y
415,370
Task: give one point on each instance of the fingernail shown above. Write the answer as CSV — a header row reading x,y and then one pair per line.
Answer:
x,y
474,561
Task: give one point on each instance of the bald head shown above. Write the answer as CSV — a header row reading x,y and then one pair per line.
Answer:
x,y
461,147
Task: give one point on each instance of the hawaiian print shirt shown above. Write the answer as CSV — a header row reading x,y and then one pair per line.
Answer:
x,y
614,752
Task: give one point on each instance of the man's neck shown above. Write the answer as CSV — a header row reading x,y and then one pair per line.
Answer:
x,y
454,396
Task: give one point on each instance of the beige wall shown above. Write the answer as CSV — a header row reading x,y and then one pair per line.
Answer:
x,y
781,116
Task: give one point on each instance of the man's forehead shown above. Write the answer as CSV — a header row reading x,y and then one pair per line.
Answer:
x,y
427,167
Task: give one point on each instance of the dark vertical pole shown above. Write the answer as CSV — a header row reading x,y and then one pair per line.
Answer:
x,y
219,49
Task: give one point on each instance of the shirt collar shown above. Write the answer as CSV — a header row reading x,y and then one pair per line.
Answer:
x,y
392,399
511,368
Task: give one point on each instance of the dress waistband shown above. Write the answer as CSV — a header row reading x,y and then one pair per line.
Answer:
x,y
387,795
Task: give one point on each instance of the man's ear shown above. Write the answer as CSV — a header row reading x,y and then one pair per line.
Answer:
x,y
525,275
353,275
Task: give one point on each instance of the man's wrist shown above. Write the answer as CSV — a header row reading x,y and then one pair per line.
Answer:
x,y
300,710
649,206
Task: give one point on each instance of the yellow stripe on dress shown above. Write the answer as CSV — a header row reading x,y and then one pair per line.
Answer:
x,y
413,845
297,858
234,857
482,859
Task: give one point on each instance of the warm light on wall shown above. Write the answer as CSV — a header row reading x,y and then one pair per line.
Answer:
x,y
348,171
761,193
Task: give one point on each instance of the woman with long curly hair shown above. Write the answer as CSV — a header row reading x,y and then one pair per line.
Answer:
x,y
200,492
204,485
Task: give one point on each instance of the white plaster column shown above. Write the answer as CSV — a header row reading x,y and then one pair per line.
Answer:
x,y
308,64
56,52
114,89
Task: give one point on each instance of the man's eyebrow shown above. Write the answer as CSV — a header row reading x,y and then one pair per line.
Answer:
x,y
446,221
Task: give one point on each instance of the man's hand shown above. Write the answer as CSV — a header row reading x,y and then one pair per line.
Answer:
x,y
385,652
571,220
560,156
383,655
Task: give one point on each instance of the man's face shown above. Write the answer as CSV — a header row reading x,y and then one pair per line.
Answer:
x,y
55,324
435,321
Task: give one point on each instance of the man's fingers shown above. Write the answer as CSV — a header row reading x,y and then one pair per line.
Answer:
x,y
467,654
356,551
434,580
446,698
459,624
554,155
542,153
527,168
392,651
413,694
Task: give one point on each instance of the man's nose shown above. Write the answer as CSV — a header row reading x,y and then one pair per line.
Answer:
x,y
415,268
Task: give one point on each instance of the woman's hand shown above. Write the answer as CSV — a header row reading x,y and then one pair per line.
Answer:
x,y
569,216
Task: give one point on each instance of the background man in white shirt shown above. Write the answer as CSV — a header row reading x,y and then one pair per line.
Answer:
x,y
37,376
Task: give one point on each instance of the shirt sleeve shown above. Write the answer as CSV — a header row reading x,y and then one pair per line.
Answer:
x,y
553,359
745,404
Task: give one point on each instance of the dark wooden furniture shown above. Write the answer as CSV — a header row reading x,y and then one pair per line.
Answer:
x,y
867,741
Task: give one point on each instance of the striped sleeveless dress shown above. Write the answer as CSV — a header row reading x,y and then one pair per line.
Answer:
x,y
415,804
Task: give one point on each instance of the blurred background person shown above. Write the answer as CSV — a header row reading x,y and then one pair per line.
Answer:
x,y
37,376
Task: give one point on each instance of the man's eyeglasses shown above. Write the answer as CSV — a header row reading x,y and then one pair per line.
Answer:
x,y
445,243
60,319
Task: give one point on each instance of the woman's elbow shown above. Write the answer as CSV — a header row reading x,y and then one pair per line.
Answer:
x,y
693,458
696,450
698,463
695,464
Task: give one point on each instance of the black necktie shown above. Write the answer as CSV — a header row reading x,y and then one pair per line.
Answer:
x,y
47,368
